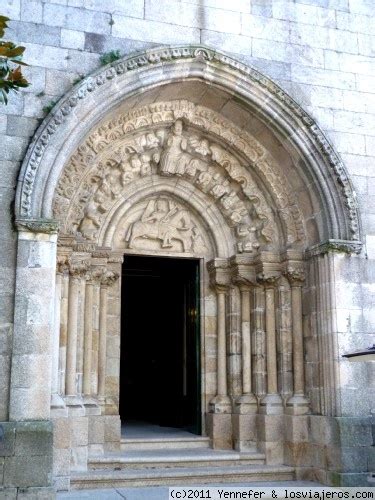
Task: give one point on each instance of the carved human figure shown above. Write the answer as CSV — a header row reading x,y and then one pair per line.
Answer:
x,y
200,146
204,179
145,165
151,141
193,166
220,188
174,152
248,241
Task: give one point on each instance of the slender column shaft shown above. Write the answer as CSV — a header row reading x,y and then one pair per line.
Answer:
x,y
56,335
102,357
64,307
297,404
221,346
271,341
71,354
298,375
246,341
87,354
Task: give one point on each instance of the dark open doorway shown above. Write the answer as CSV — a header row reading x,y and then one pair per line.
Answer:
x,y
160,342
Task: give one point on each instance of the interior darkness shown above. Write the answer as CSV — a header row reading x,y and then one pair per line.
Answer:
x,y
160,372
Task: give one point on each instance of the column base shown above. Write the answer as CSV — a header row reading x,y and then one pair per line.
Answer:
x,y
107,406
246,404
271,404
219,428
244,431
298,404
58,406
220,404
74,406
91,406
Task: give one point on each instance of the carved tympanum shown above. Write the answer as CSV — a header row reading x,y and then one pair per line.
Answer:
x,y
161,222
121,154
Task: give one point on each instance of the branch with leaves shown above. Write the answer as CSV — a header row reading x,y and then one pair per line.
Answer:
x,y
11,77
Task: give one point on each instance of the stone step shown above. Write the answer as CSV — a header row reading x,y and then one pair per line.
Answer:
x,y
138,444
198,457
180,476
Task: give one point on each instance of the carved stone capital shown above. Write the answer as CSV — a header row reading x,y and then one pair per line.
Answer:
x,y
108,278
339,246
295,276
78,269
49,226
220,275
62,264
94,275
268,279
242,271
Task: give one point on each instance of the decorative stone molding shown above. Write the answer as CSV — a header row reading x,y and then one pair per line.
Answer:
x,y
242,76
341,246
37,225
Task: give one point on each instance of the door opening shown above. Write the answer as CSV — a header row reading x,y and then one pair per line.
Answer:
x,y
160,342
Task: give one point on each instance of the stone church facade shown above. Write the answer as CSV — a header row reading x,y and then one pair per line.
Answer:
x,y
239,136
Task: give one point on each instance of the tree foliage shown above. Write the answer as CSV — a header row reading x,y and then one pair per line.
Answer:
x,y
11,77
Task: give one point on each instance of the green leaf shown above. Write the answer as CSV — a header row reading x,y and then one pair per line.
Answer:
x,y
3,24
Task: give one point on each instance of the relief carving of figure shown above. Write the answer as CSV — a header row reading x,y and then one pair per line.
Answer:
x,y
173,159
221,188
165,221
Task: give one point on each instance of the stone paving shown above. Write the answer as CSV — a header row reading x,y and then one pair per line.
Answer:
x,y
161,492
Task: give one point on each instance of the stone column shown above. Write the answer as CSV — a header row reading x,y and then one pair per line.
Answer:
x,y
271,404
107,279
87,346
63,331
77,272
271,418
297,404
219,419
57,403
243,275
30,384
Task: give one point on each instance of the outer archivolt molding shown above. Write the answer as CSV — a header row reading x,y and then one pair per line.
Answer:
x,y
164,55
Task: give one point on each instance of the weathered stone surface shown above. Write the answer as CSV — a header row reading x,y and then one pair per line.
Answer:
x,y
25,471
320,51
7,440
34,439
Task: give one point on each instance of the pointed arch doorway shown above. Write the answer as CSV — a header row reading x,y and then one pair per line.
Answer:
x,y
160,380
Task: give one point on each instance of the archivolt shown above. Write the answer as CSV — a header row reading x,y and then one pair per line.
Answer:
x,y
89,101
